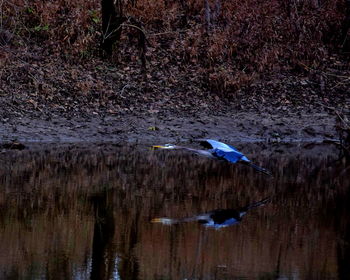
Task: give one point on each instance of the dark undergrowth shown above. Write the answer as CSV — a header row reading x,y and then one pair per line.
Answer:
x,y
213,49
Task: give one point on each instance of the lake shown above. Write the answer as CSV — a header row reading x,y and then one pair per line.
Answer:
x,y
85,211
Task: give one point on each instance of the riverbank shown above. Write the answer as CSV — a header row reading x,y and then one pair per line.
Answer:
x,y
162,128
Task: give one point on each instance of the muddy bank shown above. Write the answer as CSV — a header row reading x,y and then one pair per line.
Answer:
x,y
160,128
47,99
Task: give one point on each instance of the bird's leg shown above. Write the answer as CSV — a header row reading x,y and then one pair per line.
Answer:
x,y
258,168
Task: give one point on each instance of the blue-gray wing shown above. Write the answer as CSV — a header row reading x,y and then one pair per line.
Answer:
x,y
219,145
230,156
225,151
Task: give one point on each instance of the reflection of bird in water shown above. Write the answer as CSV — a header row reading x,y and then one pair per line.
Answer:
x,y
217,218
218,150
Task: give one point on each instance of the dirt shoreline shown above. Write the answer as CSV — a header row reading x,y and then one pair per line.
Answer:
x,y
160,128
47,99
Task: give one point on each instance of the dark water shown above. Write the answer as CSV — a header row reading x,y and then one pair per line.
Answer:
x,y
84,213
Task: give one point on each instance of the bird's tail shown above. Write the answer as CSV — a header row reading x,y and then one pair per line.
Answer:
x,y
258,203
260,169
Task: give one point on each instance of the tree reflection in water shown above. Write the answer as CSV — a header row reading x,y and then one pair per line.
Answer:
x,y
103,251
82,213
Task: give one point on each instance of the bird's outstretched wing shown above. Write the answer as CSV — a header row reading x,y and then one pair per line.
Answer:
x,y
213,144
222,150
230,156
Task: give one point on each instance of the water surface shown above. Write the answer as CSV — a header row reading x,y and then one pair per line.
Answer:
x,y
75,212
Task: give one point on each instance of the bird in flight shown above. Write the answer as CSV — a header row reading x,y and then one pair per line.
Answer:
x,y
218,150
218,218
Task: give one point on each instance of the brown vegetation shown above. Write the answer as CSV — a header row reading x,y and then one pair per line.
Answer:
x,y
234,40
199,57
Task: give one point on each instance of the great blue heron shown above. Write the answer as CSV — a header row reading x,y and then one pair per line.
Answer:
x,y
218,150
217,218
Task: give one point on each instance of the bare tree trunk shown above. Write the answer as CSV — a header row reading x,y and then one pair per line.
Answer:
x,y
207,16
315,4
345,38
112,18
184,17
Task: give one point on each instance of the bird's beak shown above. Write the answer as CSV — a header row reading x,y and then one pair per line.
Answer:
x,y
159,146
165,221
